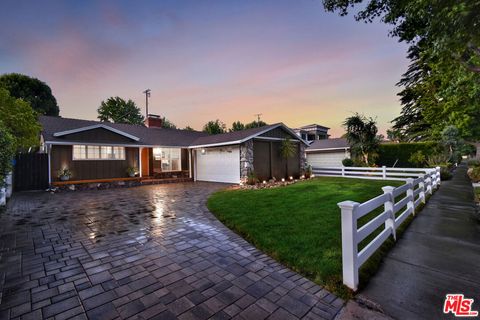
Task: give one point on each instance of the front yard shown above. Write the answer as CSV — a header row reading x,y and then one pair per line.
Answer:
x,y
298,225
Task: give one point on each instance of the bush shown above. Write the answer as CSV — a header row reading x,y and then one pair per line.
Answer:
x,y
445,173
474,174
474,163
252,178
389,153
418,159
347,162
7,152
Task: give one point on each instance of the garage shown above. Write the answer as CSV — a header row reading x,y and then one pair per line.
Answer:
x,y
327,158
328,152
218,164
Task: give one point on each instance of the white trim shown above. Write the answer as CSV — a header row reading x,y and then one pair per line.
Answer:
x,y
140,149
96,126
49,148
327,149
216,144
275,139
68,143
189,163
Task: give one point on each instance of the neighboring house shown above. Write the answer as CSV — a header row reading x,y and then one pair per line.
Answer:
x,y
328,152
312,132
101,150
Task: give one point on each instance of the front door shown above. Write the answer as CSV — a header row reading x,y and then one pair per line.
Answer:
x,y
145,162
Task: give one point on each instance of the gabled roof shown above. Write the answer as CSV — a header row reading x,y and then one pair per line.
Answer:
x,y
95,126
56,130
329,144
239,136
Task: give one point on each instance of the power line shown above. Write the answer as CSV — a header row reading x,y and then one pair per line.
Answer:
x,y
258,118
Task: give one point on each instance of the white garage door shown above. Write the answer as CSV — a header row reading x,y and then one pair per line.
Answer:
x,y
326,159
219,164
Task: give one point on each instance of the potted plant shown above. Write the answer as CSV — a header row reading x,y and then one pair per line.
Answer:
x,y
132,171
64,174
308,172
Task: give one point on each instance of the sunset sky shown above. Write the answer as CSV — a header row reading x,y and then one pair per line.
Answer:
x,y
203,60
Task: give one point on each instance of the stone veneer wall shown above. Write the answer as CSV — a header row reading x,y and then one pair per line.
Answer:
x,y
303,158
246,159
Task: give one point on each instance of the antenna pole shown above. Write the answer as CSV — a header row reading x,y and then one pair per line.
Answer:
x,y
258,118
147,95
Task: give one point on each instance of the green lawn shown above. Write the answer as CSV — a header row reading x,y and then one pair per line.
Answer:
x,y
298,225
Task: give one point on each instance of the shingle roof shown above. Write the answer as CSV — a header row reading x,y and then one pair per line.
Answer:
x,y
152,136
148,136
232,137
325,144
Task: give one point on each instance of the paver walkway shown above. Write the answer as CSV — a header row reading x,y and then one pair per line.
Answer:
x,y
140,253
438,254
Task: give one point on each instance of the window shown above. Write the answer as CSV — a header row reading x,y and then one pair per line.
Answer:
x,y
82,152
169,157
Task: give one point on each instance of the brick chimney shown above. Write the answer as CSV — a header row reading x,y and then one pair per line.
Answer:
x,y
153,121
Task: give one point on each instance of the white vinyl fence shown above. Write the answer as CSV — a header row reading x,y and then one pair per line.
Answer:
x,y
379,173
415,190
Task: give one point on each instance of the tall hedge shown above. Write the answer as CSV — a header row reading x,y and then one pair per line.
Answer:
x,y
389,153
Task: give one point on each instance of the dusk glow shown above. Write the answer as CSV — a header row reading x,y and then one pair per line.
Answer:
x,y
203,60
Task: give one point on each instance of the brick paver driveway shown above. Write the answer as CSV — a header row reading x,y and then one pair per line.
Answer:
x,y
145,252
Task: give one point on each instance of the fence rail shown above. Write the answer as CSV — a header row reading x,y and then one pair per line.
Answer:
x,y
415,192
379,173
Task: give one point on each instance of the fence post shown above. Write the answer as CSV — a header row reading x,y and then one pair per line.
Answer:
x,y
421,185
343,171
384,172
411,199
439,179
349,244
429,182
388,206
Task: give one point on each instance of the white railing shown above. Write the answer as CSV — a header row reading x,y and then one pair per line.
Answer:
x,y
376,173
415,191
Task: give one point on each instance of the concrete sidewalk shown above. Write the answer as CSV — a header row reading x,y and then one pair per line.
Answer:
x,y
438,254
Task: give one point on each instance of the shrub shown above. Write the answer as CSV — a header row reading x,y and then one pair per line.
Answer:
x,y
347,162
308,171
400,153
418,159
7,152
445,173
252,178
474,163
474,174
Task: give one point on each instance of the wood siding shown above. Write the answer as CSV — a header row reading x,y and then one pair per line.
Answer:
x,y
61,157
278,133
268,161
98,135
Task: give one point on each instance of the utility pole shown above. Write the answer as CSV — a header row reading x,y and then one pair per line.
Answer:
x,y
258,118
147,95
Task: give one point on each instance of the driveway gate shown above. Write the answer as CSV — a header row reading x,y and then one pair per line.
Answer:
x,y
30,171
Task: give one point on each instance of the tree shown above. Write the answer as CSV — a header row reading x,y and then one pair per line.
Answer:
x,y
362,136
168,124
451,139
37,93
214,127
20,120
441,86
237,126
117,110
188,128
287,150
255,124
395,135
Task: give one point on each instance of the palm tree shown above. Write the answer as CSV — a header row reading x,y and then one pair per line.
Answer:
x,y
287,150
362,136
